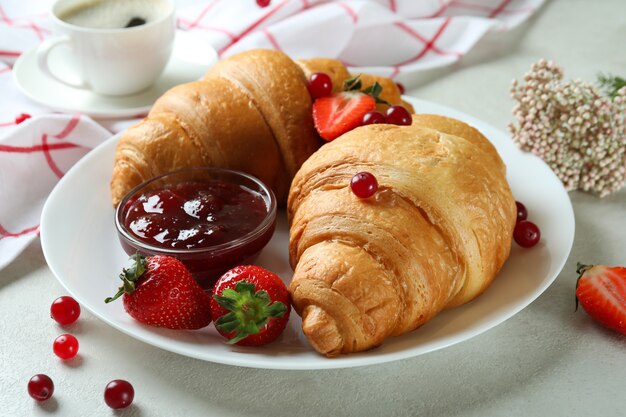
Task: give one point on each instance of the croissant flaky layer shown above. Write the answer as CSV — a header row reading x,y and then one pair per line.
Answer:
x,y
251,112
434,236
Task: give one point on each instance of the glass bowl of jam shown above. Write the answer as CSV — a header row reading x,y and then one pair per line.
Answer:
x,y
211,219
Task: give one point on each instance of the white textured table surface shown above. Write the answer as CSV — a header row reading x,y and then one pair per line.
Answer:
x,y
547,360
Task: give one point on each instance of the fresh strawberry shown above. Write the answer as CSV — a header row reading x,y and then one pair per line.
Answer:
x,y
250,306
601,291
160,291
339,113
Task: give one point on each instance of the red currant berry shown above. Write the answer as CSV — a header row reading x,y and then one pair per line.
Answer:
x,y
40,387
263,3
373,117
522,214
119,394
400,87
65,346
526,234
20,118
65,310
398,115
364,185
320,85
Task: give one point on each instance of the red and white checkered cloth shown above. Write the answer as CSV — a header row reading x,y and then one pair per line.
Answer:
x,y
395,38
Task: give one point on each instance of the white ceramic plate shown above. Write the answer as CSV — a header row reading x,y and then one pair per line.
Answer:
x,y
80,244
191,58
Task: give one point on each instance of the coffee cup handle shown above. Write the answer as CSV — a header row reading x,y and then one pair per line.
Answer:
x,y
43,54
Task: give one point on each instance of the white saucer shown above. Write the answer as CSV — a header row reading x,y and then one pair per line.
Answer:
x,y
191,58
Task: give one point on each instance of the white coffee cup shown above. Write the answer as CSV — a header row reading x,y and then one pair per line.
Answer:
x,y
111,60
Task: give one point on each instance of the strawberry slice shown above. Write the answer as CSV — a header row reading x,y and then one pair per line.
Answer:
x,y
601,291
339,113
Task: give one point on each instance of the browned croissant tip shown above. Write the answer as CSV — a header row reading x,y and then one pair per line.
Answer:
x,y
322,331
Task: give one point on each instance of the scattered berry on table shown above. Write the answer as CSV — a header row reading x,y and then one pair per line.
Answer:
x,y
65,346
65,310
40,387
119,394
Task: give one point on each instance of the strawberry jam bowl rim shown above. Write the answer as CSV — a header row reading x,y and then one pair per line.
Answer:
x,y
213,173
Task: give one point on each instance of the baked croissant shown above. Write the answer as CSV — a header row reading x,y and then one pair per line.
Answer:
x,y
251,112
434,235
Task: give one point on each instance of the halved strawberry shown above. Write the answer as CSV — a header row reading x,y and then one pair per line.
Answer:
x,y
601,291
339,113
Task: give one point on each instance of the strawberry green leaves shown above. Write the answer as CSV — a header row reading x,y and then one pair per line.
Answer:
x,y
374,90
249,309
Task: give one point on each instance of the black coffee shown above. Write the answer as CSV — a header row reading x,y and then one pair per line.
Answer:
x,y
115,14
135,21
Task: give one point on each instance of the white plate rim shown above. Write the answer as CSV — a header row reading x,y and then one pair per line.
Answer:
x,y
345,361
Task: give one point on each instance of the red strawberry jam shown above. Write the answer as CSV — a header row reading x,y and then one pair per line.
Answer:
x,y
211,225
194,215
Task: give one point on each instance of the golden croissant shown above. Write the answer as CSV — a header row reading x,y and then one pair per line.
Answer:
x,y
434,235
251,112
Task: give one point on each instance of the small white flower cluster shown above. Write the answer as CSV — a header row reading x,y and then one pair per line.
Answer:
x,y
577,131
